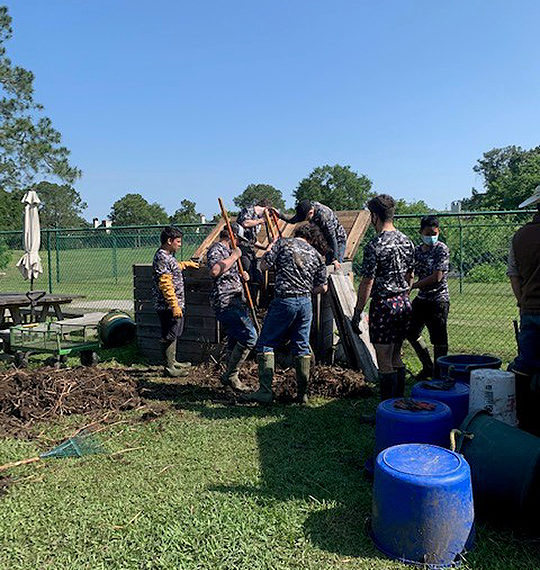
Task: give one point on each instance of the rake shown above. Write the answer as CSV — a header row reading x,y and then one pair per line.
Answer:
x,y
81,444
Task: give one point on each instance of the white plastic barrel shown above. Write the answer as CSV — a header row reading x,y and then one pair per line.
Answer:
x,y
495,392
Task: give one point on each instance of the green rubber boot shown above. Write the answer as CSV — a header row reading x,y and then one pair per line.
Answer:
x,y
438,351
302,365
422,351
169,353
175,364
266,376
236,359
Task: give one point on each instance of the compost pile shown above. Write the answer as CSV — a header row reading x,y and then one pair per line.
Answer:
x,y
326,381
29,396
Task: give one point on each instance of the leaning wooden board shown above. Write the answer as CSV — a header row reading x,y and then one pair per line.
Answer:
x,y
358,347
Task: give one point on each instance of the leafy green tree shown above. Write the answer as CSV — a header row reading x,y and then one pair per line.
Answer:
x,y
337,186
29,144
61,206
134,210
417,207
255,192
509,175
11,210
186,214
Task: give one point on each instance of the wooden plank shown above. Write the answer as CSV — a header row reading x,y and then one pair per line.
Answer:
x,y
200,252
358,347
356,233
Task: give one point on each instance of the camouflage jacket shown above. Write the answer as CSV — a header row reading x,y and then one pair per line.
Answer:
x,y
228,286
249,213
426,261
325,218
299,267
165,263
388,257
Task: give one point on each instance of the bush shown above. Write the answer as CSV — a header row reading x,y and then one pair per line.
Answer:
x,y
5,254
487,273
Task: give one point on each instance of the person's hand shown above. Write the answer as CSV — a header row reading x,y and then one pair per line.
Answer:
x,y
177,312
245,275
336,264
356,319
260,222
237,253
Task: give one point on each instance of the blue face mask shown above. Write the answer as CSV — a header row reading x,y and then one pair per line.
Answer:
x,y
430,240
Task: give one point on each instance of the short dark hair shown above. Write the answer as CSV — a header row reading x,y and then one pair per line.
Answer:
x,y
313,235
383,206
429,222
264,203
170,232
224,233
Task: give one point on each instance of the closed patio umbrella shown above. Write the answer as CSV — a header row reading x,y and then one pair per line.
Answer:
x,y
30,262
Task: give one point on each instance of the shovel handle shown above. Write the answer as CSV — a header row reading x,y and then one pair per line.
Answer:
x,y
17,463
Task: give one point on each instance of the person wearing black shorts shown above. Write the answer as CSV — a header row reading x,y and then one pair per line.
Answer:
x,y
431,305
386,271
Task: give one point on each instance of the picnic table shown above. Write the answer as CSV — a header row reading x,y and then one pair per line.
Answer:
x,y
12,304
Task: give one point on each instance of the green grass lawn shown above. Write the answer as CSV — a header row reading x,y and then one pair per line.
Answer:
x,y
211,487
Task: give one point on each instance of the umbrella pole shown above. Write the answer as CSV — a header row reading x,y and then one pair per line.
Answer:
x,y
32,283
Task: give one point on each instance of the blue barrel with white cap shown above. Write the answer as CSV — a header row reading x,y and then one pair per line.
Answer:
x,y
422,510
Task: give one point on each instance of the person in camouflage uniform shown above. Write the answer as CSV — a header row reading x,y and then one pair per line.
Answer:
x,y
169,298
431,305
250,219
227,300
326,220
387,272
300,272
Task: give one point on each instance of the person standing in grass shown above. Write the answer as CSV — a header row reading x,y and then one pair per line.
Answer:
x,y
524,273
387,272
431,305
169,298
227,300
300,273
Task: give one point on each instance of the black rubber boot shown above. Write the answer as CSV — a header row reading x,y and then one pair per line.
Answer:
x,y
302,365
387,383
236,359
169,353
438,351
399,387
422,352
264,394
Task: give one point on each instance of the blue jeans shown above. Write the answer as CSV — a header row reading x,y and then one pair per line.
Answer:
x,y
238,325
339,254
288,318
528,359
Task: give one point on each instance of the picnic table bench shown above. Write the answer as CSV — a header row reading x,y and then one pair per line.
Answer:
x,y
12,306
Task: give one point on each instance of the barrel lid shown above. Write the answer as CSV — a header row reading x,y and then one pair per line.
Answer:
x,y
435,387
436,407
421,459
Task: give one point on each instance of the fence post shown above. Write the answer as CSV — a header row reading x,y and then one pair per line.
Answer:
x,y
460,255
115,259
49,259
56,236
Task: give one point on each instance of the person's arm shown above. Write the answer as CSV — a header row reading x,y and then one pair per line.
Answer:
x,y
320,281
223,265
515,281
166,285
433,279
269,258
252,223
364,291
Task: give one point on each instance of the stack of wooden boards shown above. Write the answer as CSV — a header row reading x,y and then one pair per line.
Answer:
x,y
201,339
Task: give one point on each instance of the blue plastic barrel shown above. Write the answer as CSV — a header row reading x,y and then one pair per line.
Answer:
x,y
394,426
455,396
458,367
422,510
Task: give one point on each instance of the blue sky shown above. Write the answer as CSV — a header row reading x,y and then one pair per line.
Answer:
x,y
196,100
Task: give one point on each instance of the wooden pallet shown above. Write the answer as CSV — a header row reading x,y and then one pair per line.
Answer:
x,y
358,347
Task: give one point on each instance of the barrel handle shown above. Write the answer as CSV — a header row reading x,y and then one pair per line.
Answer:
x,y
462,435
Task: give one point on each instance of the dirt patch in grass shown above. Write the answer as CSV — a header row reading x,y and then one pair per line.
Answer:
x,y
30,396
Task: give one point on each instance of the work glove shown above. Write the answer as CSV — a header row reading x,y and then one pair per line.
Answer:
x,y
356,319
177,312
165,284
184,264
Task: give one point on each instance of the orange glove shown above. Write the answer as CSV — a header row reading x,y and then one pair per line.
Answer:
x,y
166,287
184,264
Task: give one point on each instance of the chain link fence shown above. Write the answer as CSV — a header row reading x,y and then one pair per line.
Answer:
x,y
482,305
95,263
